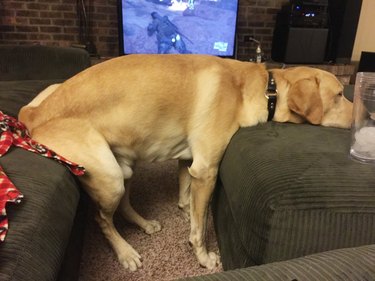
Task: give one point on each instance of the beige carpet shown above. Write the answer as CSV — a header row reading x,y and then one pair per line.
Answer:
x,y
166,254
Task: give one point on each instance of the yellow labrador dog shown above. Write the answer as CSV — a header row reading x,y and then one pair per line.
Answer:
x,y
159,107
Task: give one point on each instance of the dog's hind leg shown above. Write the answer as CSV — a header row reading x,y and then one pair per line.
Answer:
x,y
127,211
184,187
105,184
103,181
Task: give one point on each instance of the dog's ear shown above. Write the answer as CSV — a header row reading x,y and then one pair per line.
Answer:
x,y
304,99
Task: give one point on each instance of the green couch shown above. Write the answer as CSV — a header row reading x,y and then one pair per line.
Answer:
x,y
291,205
41,243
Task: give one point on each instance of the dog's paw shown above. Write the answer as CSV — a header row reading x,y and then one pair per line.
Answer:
x,y
209,261
130,259
152,226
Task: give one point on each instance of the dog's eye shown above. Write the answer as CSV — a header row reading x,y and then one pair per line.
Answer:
x,y
338,97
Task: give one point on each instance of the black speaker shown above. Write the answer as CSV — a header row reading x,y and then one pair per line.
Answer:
x,y
300,34
306,45
299,45
342,22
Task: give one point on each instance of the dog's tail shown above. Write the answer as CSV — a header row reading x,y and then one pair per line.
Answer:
x,y
26,114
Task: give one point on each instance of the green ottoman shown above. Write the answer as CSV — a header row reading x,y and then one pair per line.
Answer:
x,y
287,190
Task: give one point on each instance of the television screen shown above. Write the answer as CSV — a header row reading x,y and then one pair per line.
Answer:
x,y
178,27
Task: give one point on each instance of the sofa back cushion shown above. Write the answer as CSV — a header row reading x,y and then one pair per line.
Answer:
x,y
41,62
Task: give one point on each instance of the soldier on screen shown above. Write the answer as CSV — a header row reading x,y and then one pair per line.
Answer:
x,y
167,34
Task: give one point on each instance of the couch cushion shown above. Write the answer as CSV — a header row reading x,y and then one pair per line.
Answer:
x,y
290,190
354,264
40,225
15,94
35,62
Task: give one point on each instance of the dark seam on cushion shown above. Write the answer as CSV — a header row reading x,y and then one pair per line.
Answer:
x,y
237,234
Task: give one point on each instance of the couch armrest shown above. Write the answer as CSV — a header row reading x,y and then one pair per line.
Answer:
x,y
41,62
354,264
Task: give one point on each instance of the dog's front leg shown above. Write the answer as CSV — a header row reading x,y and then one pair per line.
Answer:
x,y
202,185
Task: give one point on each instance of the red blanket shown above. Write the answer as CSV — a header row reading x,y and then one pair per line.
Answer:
x,y
13,132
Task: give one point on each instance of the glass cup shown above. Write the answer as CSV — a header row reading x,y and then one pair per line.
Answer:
x,y
363,126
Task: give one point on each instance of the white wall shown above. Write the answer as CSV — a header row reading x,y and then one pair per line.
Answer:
x,y
365,37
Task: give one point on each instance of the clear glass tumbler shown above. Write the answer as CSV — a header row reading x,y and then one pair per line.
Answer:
x,y
363,126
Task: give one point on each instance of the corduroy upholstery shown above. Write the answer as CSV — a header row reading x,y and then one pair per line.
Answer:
x,y
291,205
40,227
291,190
351,264
26,62
15,94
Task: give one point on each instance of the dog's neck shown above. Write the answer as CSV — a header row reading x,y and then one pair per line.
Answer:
x,y
271,95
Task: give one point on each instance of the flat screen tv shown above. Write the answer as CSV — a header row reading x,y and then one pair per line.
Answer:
x,y
178,27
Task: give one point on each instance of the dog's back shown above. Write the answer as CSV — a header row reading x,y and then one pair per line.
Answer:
x,y
143,99
133,85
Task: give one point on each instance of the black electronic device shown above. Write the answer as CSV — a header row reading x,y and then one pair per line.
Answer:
x,y
312,43
305,45
300,34
312,13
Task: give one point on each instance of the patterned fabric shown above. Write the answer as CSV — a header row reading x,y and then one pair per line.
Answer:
x,y
8,193
13,132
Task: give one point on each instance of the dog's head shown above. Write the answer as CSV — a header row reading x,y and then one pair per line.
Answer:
x,y
314,96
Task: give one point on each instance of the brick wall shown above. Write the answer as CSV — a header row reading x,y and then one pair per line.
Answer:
x,y
55,22
256,18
